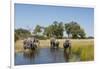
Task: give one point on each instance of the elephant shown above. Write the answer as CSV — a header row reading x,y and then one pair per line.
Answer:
x,y
31,43
67,45
54,43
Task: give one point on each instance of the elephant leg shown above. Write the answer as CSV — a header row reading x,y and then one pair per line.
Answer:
x,y
57,45
24,47
70,49
54,44
51,43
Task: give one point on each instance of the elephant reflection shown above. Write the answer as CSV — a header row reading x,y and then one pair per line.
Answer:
x,y
53,50
29,54
66,56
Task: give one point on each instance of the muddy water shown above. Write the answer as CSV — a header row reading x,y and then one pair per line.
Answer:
x,y
43,56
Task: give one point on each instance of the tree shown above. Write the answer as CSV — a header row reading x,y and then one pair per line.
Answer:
x,y
82,33
55,29
60,30
47,31
74,29
16,36
37,29
68,29
21,34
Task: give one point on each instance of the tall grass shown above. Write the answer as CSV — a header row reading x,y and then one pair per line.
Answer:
x,y
19,46
86,53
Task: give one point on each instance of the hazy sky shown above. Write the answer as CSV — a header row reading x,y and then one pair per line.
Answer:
x,y
28,16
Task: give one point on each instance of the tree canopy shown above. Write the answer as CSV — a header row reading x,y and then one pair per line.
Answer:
x,y
37,29
56,29
75,30
72,29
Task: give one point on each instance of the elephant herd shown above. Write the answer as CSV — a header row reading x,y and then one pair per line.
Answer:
x,y
55,44
33,43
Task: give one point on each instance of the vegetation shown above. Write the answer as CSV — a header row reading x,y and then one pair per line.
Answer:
x,y
81,45
74,29
86,53
21,34
90,37
56,29
37,29
84,48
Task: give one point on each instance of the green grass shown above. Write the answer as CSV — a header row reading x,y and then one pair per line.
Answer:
x,y
86,53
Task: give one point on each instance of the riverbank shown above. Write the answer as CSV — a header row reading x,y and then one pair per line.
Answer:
x,y
84,48
46,43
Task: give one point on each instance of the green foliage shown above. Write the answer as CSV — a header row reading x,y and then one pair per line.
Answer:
x,y
21,34
37,29
16,36
40,37
74,29
68,28
56,29
82,33
48,31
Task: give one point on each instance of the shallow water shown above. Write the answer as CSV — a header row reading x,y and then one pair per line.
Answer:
x,y
43,56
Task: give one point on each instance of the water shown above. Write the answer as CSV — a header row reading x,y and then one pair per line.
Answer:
x,y
43,56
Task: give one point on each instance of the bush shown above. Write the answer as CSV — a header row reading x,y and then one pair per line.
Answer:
x,y
21,34
41,37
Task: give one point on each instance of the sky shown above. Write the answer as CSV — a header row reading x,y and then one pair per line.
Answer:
x,y
29,15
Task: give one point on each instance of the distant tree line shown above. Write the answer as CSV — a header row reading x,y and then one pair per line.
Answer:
x,y
56,29
72,29
21,34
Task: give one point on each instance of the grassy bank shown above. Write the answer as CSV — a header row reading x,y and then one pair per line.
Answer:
x,y
86,53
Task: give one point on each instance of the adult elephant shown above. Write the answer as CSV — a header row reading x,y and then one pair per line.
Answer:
x,y
31,43
54,43
67,45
